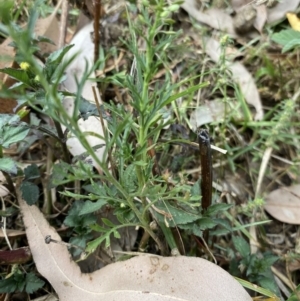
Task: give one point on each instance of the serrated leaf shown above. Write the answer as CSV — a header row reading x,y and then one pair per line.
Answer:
x,y
177,215
130,178
20,75
95,188
59,174
32,172
80,222
30,192
90,207
33,283
57,56
216,208
8,285
241,246
12,134
206,223
8,165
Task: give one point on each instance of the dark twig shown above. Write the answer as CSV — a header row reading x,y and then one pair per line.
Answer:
x,y
97,5
206,168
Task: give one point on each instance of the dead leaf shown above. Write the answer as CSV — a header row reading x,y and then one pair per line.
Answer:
x,y
278,12
147,278
213,17
294,21
237,4
240,75
284,204
261,18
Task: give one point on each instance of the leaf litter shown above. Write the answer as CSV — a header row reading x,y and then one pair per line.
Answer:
x,y
147,277
217,18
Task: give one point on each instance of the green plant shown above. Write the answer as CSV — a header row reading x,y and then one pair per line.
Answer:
x,y
136,193
288,38
256,267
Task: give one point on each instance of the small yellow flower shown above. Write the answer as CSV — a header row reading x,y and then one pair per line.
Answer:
x,y
24,66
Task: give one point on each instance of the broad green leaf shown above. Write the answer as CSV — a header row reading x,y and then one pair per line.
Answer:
x,y
129,178
30,192
241,246
20,75
33,283
206,223
95,188
92,207
291,45
32,172
10,134
285,36
8,165
216,208
178,216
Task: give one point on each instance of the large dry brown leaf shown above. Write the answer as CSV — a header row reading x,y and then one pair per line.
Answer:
x,y
284,204
147,278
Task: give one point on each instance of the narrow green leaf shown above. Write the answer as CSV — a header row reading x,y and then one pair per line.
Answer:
x,y
185,92
241,246
20,75
57,56
216,208
107,222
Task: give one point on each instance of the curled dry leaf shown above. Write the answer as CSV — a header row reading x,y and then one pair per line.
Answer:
x,y
278,12
84,49
221,19
284,204
147,278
